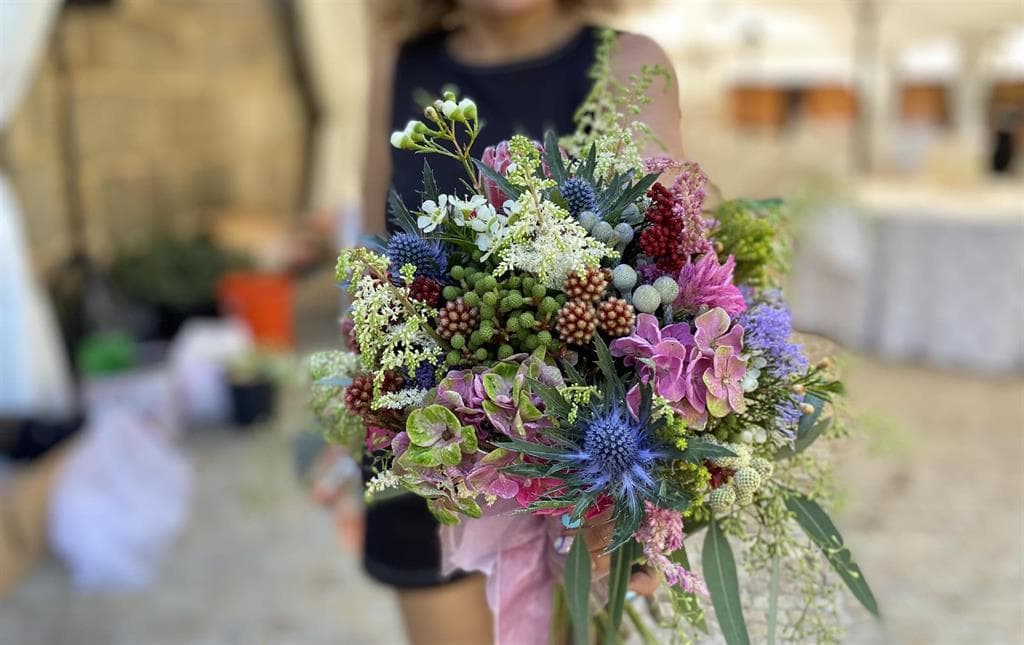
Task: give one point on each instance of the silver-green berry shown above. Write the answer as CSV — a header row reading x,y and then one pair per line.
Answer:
x,y
721,499
646,299
624,277
744,499
624,232
763,467
746,481
587,220
631,214
602,231
667,288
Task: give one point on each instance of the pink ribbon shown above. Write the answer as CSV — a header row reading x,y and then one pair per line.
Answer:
x,y
515,551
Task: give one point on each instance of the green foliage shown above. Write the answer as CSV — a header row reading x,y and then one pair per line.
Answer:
x,y
720,575
618,585
107,353
577,589
816,523
752,232
175,273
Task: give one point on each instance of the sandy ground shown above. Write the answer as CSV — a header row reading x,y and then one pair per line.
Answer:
x,y
934,516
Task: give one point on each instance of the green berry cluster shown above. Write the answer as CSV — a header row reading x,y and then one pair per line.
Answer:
x,y
517,314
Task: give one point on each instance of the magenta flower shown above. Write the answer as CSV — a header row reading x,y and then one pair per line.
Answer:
x,y
724,383
487,477
713,332
706,283
462,392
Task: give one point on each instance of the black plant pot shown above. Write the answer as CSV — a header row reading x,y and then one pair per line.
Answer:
x,y
252,402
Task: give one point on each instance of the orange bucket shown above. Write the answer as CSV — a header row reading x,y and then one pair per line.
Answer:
x,y
264,302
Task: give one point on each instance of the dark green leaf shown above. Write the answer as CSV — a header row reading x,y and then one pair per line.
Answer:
x,y
607,365
817,525
586,169
720,575
809,429
553,156
627,521
572,374
577,590
618,585
697,450
498,179
555,405
532,449
429,185
400,215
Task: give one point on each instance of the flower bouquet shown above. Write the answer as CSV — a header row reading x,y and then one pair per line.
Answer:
x,y
570,334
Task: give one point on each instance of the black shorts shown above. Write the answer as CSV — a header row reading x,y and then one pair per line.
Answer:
x,y
401,547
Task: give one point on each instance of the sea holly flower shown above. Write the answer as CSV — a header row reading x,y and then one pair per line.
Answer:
x,y
434,213
437,438
724,382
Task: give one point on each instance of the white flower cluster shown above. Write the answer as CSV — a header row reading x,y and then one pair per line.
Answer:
x,y
550,245
399,400
473,213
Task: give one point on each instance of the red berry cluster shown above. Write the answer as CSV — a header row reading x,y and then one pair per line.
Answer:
x,y
587,286
393,382
719,475
577,322
662,239
457,317
615,317
425,290
359,395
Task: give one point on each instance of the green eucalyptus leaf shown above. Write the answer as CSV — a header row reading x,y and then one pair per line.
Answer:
x,y
720,576
618,585
577,590
817,525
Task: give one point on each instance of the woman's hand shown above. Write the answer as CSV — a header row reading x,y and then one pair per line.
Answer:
x,y
332,479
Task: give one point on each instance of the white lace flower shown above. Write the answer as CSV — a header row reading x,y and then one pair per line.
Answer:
x,y
433,214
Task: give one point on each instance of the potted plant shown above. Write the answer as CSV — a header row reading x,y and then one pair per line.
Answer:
x,y
254,378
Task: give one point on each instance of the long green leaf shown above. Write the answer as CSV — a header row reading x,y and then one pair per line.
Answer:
x,y
773,600
555,405
429,184
817,525
618,585
809,428
532,449
400,215
500,180
607,365
697,450
720,575
577,590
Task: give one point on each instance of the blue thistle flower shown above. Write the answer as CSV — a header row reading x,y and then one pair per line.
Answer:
x,y
579,196
425,376
426,255
616,456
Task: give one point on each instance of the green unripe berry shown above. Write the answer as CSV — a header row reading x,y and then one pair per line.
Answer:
x,y
458,341
471,298
476,339
486,334
532,342
480,354
451,292
512,324
487,283
526,320
548,306
512,301
514,282
528,283
458,272
487,312
490,298
471,277
538,291
486,325
746,481
477,255
561,299
453,358
505,351
544,337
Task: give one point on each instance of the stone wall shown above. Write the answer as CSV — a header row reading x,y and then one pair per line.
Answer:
x,y
183,110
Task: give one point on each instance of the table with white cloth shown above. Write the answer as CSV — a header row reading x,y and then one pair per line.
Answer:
x,y
923,273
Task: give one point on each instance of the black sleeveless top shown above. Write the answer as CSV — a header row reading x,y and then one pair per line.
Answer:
x,y
401,546
528,97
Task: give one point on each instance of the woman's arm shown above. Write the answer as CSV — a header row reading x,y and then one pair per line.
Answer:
x,y
662,114
377,162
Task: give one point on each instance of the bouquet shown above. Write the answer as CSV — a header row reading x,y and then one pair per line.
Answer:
x,y
570,333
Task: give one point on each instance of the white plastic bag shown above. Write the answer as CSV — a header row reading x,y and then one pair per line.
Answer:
x,y
197,358
121,499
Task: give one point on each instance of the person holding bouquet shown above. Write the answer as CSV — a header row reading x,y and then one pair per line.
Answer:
x,y
527,64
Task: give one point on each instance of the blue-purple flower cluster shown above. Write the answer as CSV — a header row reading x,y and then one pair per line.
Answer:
x,y
768,328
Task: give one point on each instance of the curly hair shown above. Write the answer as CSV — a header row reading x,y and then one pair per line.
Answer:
x,y
411,18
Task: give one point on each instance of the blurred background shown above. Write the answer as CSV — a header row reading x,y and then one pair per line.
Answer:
x,y
170,168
